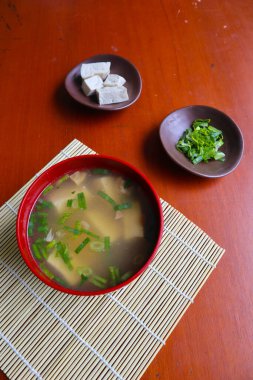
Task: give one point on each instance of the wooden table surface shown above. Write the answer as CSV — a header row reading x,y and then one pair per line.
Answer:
x,y
188,52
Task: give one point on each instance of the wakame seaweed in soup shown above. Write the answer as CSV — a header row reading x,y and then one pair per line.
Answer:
x,y
91,229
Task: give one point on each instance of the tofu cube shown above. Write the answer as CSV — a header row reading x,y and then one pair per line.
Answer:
x,y
114,80
78,177
104,226
97,68
108,185
70,276
110,95
90,85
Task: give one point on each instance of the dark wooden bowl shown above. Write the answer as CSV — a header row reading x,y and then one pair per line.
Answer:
x,y
177,122
120,66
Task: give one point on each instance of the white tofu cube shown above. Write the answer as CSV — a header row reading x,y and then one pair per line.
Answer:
x,y
78,177
104,226
108,185
71,276
114,80
110,95
97,68
90,85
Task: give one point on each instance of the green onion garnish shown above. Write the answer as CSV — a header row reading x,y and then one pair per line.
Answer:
x,y
83,279
89,233
123,206
47,189
42,220
69,202
100,171
107,243
97,246
31,225
86,271
81,200
36,252
82,245
42,214
38,246
201,142
43,229
107,198
78,225
46,271
60,280
63,251
64,217
62,179
72,230
98,281
114,275
51,245
42,204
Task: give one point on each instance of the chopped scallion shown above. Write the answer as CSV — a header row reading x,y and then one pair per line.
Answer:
x,y
64,217
60,280
98,281
89,233
42,204
36,252
123,206
43,229
97,246
114,275
83,279
51,245
72,230
107,243
107,198
86,271
31,225
62,179
201,142
63,251
46,271
69,202
82,245
81,200
100,171
47,189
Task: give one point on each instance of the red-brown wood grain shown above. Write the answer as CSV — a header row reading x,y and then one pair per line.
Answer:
x,y
188,52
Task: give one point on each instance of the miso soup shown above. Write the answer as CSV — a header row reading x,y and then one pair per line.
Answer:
x,y
91,230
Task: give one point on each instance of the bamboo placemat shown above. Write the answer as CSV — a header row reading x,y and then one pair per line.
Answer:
x,y
50,335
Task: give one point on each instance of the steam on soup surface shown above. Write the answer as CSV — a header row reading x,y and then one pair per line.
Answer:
x,y
91,230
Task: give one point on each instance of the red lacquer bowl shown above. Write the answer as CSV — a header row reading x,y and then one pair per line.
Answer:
x,y
67,166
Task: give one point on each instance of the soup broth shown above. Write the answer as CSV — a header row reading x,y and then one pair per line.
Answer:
x,y
91,230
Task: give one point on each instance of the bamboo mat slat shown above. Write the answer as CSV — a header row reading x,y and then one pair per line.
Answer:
x,y
50,335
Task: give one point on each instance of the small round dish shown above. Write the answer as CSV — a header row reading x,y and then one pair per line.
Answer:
x,y
120,66
173,126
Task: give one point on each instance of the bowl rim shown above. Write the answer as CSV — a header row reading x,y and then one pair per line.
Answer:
x,y
199,174
22,238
